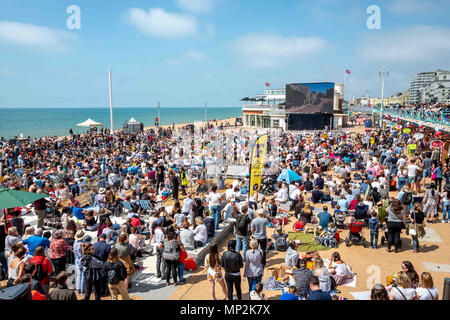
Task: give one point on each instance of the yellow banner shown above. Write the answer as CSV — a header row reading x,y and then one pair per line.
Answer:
x,y
257,163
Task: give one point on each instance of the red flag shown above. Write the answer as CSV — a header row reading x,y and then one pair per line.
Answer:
x,y
347,71
267,84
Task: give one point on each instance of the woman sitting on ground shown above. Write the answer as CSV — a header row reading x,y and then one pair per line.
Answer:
x,y
427,290
322,273
187,235
200,233
403,290
89,221
327,237
16,266
304,214
411,272
338,269
326,193
378,292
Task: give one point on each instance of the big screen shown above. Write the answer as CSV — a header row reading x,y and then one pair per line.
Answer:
x,y
310,97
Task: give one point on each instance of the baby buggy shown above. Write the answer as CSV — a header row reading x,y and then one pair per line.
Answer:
x,y
339,218
355,234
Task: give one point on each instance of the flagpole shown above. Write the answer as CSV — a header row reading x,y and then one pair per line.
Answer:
x,y
110,102
345,82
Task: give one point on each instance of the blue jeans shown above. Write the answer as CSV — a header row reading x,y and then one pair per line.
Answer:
x,y
446,210
215,212
251,279
80,285
241,240
373,238
415,243
181,272
401,183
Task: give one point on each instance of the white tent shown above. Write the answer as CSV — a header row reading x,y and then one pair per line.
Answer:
x,y
89,123
132,120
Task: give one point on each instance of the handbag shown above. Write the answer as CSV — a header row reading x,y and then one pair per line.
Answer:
x,y
433,176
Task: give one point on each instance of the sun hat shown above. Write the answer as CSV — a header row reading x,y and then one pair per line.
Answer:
x,y
79,235
101,190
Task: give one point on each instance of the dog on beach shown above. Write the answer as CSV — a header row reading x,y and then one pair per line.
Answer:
x,y
309,227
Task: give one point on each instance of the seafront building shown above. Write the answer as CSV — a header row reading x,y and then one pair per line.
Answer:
x,y
268,110
430,87
438,91
265,110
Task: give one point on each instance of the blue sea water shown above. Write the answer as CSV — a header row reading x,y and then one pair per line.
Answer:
x,y
40,122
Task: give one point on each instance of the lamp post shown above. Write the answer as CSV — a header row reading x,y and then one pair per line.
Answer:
x,y
383,73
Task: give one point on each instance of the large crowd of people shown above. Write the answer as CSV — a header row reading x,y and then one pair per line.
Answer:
x,y
93,179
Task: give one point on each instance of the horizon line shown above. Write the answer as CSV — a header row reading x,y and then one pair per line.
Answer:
x,y
120,107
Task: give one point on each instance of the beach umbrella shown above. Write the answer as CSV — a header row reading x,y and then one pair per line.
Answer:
x,y
288,175
245,99
13,198
89,123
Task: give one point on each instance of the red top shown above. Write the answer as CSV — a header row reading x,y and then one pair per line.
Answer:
x,y
46,265
37,295
135,222
183,256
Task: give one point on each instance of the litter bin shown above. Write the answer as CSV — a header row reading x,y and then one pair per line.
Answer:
x,y
368,123
446,291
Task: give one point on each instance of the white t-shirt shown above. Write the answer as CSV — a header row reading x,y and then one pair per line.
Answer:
x,y
341,269
213,199
412,170
424,294
157,236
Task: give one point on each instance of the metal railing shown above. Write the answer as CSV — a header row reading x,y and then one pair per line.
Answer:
x,y
438,118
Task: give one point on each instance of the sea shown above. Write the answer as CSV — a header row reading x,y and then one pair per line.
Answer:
x,y
40,122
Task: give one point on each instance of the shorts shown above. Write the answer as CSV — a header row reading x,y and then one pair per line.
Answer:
x,y
411,180
426,173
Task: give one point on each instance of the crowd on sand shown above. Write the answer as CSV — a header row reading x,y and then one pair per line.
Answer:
x,y
357,174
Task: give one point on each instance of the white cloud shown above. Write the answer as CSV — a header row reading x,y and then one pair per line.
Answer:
x,y
197,6
195,55
271,50
157,22
415,44
33,36
409,6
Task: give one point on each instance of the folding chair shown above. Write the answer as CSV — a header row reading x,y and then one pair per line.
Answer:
x,y
146,205
128,207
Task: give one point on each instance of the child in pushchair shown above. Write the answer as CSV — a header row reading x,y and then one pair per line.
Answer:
x,y
355,235
339,217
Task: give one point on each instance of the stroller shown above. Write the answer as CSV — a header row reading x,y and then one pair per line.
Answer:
x,y
52,216
339,218
355,235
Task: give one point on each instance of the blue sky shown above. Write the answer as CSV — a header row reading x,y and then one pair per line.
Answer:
x,y
188,52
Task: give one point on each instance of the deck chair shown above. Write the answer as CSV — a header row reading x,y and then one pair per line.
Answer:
x,y
128,207
146,205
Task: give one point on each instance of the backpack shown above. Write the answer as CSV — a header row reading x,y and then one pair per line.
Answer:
x,y
241,225
39,274
299,226
112,277
407,198
171,250
280,244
